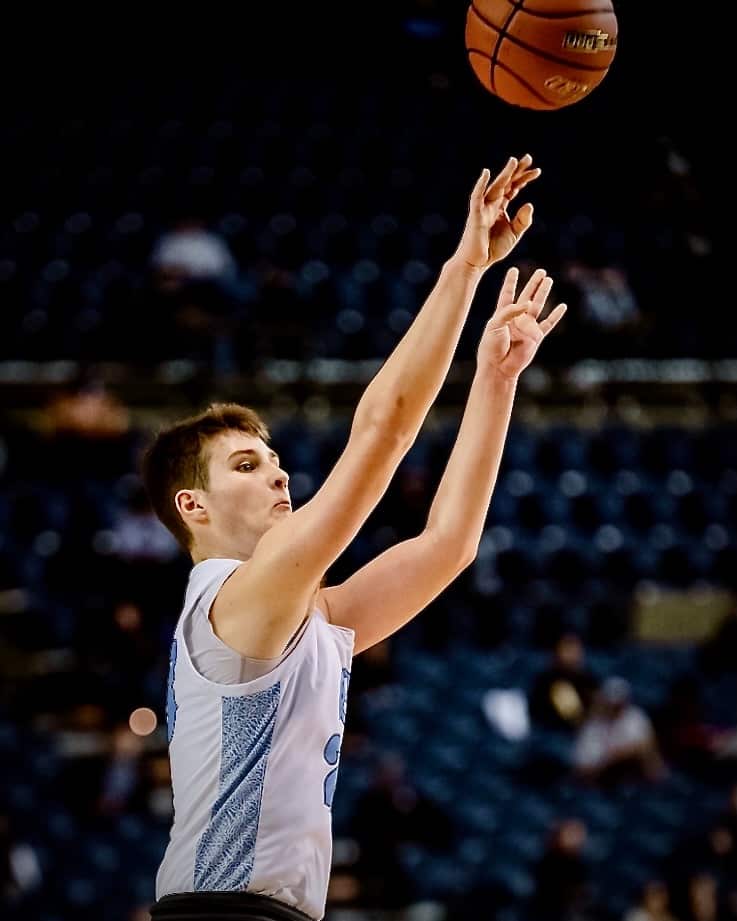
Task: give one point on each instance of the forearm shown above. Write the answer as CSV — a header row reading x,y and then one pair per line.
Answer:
x,y
408,383
459,509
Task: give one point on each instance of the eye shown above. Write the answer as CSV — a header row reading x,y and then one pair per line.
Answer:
x,y
245,464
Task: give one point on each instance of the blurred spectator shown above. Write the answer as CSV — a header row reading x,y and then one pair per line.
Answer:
x,y
86,409
702,901
121,777
389,814
120,649
190,252
653,904
373,684
681,227
562,692
712,852
372,673
142,555
20,870
606,307
721,853
616,742
687,740
728,816
200,292
607,301
280,329
80,731
82,742
699,722
562,879
691,741
88,429
138,535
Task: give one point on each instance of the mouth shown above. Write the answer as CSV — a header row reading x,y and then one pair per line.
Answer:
x,y
283,504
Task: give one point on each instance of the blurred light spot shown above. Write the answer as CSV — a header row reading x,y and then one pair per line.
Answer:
x,y
679,483
143,721
572,483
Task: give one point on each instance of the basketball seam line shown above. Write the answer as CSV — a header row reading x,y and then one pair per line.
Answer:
x,y
558,14
503,34
530,89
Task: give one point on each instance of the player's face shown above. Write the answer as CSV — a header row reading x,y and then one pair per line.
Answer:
x,y
248,490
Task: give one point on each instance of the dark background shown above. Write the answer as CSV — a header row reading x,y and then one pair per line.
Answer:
x,y
332,148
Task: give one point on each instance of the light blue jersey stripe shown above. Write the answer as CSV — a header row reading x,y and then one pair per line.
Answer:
x,y
226,850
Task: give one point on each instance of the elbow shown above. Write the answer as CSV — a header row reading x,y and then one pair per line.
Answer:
x,y
467,559
387,426
466,551
452,551
464,555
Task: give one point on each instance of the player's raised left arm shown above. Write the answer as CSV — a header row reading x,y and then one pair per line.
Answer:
x,y
390,590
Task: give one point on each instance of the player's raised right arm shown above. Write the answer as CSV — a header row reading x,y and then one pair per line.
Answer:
x,y
409,381
277,583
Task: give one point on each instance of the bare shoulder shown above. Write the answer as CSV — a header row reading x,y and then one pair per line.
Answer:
x,y
251,622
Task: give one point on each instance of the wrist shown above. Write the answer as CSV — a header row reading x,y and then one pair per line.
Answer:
x,y
496,379
459,266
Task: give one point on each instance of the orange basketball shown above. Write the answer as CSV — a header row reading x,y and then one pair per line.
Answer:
x,y
541,54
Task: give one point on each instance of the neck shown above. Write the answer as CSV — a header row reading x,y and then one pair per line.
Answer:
x,y
223,550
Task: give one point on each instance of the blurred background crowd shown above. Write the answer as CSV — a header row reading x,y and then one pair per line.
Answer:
x,y
259,218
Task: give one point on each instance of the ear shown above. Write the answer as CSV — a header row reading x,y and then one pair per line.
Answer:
x,y
190,507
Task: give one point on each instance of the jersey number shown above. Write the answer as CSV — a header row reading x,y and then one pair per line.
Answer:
x,y
331,754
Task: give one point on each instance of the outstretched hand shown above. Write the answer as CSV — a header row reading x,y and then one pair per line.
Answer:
x,y
490,234
514,333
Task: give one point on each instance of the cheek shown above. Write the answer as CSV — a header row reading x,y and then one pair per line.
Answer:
x,y
239,498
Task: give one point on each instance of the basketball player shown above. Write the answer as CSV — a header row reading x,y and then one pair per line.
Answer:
x,y
261,657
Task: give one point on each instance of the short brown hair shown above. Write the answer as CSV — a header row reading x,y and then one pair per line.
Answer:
x,y
177,458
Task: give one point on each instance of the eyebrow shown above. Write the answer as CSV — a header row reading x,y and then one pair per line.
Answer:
x,y
251,451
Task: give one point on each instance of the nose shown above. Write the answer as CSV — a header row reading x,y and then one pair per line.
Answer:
x,y
281,480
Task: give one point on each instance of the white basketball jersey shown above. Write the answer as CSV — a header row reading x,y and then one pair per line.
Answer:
x,y
254,764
